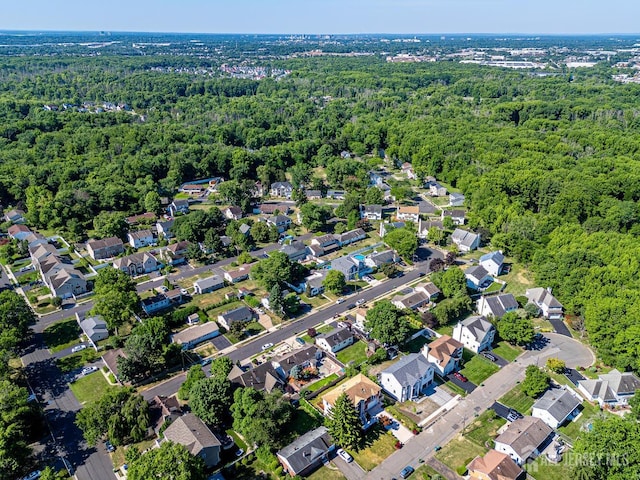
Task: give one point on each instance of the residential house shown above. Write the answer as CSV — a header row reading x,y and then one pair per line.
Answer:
x,y
523,439
352,236
407,169
141,238
266,300
258,190
190,431
244,229
19,232
304,357
178,206
430,289
495,466
313,194
336,194
175,253
208,284
281,222
335,340
174,296
163,409
458,217
556,406
456,199
371,212
496,306
363,392
296,251
156,303
307,452
314,283
238,275
110,359
164,228
465,241
94,328
386,227
281,189
349,265
425,225
493,262
105,248
417,297
272,208
15,216
475,333
547,303
262,377
233,213
57,271
136,264
192,336
445,353
437,190
327,243
376,260
477,277
146,218
194,189
407,378
240,314
612,389
408,213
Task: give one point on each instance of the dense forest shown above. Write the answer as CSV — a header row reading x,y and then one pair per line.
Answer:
x,y
550,164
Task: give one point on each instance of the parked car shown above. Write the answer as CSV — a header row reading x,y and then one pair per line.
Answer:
x,y
266,346
205,361
300,340
514,415
33,475
345,456
88,370
240,452
350,306
360,302
340,300
406,471
489,356
460,377
109,446
78,348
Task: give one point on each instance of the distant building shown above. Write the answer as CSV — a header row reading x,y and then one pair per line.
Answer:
x,y
94,328
233,213
141,238
408,213
240,314
15,216
105,248
136,264
178,206
477,277
372,212
456,199
155,304
497,305
335,340
458,217
19,232
546,302
281,189
493,262
612,389
466,241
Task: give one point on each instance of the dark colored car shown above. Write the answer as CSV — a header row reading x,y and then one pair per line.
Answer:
x,y
406,471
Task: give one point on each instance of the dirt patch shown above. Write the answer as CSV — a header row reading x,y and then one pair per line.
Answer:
x,y
418,411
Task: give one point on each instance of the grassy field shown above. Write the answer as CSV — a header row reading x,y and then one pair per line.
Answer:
x,y
117,457
237,440
507,351
326,473
61,335
484,428
518,400
76,360
305,419
459,451
541,469
354,354
425,472
478,369
519,279
379,444
322,382
90,388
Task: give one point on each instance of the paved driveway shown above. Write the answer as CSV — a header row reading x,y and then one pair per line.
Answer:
x,y
573,376
466,386
437,394
221,342
560,327
351,470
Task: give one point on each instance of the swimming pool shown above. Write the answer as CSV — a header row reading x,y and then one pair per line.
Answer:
x,y
359,257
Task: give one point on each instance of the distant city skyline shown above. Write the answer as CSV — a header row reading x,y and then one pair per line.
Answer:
x,y
327,16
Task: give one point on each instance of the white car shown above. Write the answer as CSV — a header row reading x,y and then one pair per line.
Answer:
x,y
184,291
88,370
345,456
78,348
340,300
266,346
360,302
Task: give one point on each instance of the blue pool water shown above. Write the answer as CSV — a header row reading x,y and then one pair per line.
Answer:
x,y
359,257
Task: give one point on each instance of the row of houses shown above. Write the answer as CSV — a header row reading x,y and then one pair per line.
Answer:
x,y
57,271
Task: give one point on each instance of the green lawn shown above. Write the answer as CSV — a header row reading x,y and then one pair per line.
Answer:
x,y
484,428
414,345
354,354
76,360
322,382
478,369
506,351
542,469
237,440
90,388
324,329
305,419
61,335
518,400
589,412
326,473
494,287
378,445
459,451
424,472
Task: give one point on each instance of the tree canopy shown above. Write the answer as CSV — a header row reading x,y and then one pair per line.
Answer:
x,y
171,460
344,423
386,323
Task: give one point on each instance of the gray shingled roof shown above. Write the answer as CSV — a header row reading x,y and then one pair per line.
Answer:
x,y
559,403
190,431
409,369
209,282
501,304
478,272
478,326
336,336
307,449
463,237
525,435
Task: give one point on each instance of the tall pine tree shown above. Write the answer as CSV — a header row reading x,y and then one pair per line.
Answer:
x,y
344,423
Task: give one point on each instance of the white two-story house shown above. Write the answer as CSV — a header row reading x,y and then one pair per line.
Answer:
x,y
407,378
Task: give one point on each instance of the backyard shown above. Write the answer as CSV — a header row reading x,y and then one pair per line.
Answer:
x,y
542,469
378,445
355,354
459,451
574,428
326,473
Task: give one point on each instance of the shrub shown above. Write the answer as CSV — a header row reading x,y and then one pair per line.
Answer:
x,y
312,332
278,471
461,470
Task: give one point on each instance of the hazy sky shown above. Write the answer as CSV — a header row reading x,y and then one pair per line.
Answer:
x,y
325,16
